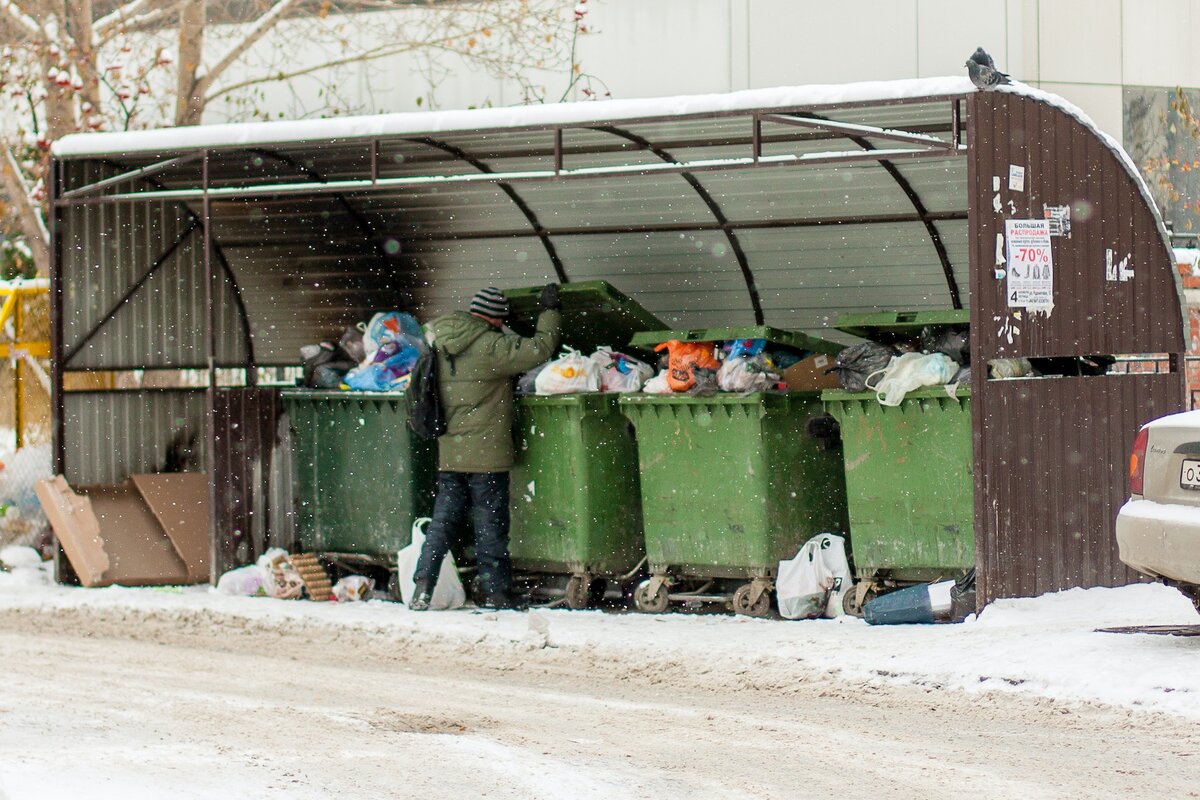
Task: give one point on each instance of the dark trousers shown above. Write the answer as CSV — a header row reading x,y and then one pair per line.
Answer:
x,y
485,495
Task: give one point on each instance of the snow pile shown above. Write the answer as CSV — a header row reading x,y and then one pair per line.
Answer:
x,y
1189,256
1046,646
23,567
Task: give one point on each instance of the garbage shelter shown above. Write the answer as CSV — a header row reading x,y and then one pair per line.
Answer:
x,y
222,249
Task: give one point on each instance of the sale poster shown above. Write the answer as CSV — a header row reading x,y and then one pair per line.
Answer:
x,y
1030,263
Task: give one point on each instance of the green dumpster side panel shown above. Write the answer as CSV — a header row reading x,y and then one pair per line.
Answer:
x,y
909,482
575,500
361,476
732,484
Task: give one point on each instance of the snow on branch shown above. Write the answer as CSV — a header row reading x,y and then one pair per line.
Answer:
x,y
261,27
27,23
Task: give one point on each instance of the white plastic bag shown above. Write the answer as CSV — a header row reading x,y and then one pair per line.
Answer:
x,y
658,384
619,372
743,374
811,585
353,588
248,581
571,372
910,371
448,593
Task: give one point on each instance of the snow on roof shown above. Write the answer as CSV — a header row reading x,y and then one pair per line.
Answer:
x,y
426,122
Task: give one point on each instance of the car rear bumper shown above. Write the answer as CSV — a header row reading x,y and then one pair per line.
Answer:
x,y
1160,539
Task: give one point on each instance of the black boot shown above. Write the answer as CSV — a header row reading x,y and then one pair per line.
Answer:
x,y
505,601
422,596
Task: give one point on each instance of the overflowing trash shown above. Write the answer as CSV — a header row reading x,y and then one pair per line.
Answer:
x,y
375,356
900,358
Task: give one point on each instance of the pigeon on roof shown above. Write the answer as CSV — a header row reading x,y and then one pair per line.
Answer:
x,y
983,72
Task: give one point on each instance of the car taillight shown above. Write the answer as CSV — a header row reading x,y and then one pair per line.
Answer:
x,y
1137,461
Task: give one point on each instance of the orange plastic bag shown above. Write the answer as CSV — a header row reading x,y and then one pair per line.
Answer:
x,y
683,358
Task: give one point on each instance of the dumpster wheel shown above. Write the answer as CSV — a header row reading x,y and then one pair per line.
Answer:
x,y
746,603
579,591
651,604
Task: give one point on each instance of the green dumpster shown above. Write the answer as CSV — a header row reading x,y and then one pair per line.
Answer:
x,y
909,483
731,484
909,468
576,506
360,475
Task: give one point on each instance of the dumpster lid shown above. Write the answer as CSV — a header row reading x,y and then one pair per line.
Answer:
x,y
871,325
594,314
794,339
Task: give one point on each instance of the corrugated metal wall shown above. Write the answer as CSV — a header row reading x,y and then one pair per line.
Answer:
x,y
112,435
107,250
1050,452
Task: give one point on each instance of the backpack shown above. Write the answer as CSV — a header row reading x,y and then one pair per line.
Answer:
x,y
425,415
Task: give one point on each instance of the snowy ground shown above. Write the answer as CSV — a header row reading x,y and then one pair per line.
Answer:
x,y
147,693
1046,646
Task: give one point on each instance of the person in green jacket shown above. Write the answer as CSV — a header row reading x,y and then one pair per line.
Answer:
x,y
476,365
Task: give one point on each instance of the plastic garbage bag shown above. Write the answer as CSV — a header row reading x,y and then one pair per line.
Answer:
x,y
280,578
746,374
570,373
746,347
448,592
619,372
705,384
248,581
386,326
683,358
527,383
962,597
353,588
811,585
911,371
953,343
392,362
855,363
659,384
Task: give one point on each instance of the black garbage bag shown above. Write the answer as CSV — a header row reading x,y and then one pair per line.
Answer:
x,y
325,365
352,344
855,363
962,597
706,382
951,342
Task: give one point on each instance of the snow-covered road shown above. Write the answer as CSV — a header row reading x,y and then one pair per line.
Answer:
x,y
131,693
169,699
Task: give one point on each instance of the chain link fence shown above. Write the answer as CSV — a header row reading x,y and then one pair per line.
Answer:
x,y
24,422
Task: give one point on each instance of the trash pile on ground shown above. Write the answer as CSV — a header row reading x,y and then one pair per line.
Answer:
x,y
21,518
293,577
373,356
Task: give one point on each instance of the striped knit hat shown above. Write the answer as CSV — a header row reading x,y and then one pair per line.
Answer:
x,y
490,302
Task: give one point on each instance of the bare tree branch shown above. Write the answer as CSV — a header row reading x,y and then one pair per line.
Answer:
x,y
256,32
138,23
118,16
26,22
189,99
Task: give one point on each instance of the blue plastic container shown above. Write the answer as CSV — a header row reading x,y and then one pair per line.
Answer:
x,y
906,606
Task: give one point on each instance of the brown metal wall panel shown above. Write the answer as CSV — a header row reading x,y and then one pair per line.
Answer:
x,y
1054,477
1050,453
245,444
1066,164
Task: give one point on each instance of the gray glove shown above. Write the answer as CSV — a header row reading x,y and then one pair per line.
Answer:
x,y
550,299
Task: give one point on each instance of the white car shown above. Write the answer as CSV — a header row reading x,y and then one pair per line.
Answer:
x,y
1158,529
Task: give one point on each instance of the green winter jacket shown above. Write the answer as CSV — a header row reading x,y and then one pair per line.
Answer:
x,y
476,366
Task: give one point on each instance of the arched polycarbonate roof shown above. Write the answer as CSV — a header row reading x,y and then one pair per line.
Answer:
x,y
784,206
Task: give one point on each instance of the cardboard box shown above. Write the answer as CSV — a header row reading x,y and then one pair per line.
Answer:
x,y
809,375
151,530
